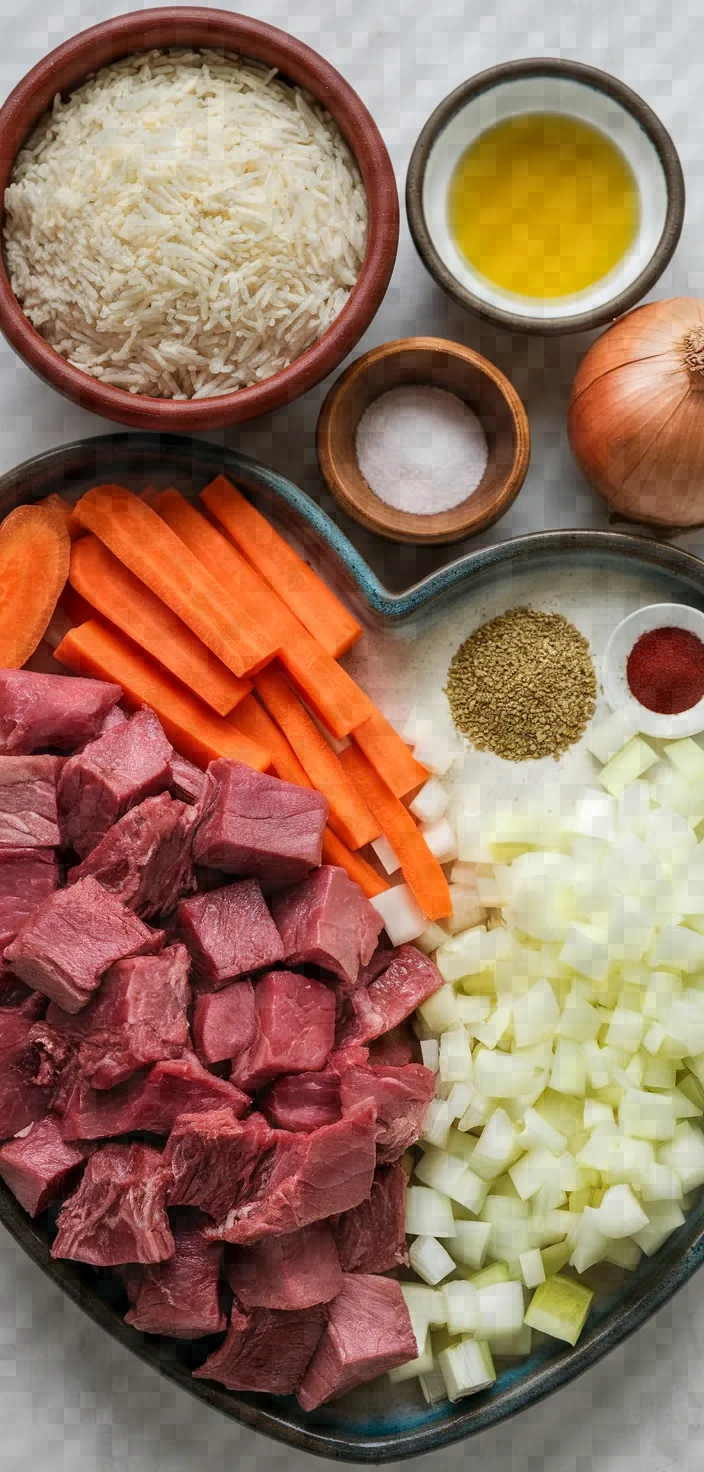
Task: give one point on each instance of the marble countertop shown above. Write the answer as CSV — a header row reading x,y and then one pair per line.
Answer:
x,y
71,1400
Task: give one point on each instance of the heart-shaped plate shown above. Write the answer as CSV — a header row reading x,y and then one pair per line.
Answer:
x,y
383,1422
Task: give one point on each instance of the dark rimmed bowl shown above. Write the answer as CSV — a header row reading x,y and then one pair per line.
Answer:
x,y
547,84
198,28
383,1423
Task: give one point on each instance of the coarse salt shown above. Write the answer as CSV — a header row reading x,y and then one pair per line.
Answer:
x,y
421,449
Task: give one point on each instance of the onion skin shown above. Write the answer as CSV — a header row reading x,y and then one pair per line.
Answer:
x,y
636,414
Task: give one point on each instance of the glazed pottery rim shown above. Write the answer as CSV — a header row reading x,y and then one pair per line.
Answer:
x,y
418,529
199,28
679,1260
643,115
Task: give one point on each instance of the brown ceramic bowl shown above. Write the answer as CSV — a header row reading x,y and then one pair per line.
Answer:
x,y
448,365
67,67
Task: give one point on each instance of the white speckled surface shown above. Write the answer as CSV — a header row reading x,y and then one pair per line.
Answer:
x,y
70,1399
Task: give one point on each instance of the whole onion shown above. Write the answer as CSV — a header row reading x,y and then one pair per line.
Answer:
x,y
636,414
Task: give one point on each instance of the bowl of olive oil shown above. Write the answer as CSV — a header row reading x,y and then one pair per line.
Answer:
x,y
545,195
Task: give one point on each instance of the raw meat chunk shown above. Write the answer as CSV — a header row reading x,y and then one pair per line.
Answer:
x,y
27,876
114,717
291,1272
303,1101
21,1102
371,1238
260,826
265,1350
111,775
117,1214
14,993
409,979
145,858
295,1029
368,1332
28,812
66,946
224,1023
186,781
229,932
180,1296
311,1177
401,1095
36,1165
217,1160
138,1016
151,1101
51,710
50,1058
327,921
397,1047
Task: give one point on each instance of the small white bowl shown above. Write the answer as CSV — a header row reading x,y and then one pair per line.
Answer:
x,y
655,616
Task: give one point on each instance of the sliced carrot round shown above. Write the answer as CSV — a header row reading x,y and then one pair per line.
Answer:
x,y
35,550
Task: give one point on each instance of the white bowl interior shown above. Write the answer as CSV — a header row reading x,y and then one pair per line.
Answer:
x,y
535,95
655,616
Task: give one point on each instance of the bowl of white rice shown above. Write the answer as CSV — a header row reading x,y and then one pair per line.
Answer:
x,y
200,219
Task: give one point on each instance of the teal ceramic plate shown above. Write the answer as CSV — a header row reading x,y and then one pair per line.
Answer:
x,y
383,1423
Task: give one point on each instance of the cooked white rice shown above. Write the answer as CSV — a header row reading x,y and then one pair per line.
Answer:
x,y
184,225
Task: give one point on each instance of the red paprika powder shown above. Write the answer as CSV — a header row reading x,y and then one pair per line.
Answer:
x,y
665,670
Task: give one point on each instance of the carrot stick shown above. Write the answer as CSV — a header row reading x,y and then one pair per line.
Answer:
x,y
34,558
95,649
254,721
65,510
349,816
139,538
116,593
326,687
300,587
334,852
389,755
421,869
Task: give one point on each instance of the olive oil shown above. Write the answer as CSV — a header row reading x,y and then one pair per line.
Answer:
x,y
543,204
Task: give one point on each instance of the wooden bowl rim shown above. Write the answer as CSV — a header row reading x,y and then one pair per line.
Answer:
x,y
406,526
198,28
600,81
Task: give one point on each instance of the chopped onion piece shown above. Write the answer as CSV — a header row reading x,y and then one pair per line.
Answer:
x,y
635,758
539,1132
387,857
440,1012
685,1156
532,1267
441,840
470,1243
422,1365
455,1057
403,918
431,938
461,1307
664,1219
620,1214
609,735
429,1260
497,1147
466,1367
559,1307
428,1213
425,1305
535,1015
430,803
501,1309
430,1053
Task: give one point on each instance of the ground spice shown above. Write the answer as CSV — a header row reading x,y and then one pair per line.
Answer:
x,y
523,685
665,670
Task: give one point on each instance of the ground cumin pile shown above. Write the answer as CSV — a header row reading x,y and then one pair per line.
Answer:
x,y
523,685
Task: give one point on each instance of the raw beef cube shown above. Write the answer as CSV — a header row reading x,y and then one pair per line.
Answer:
x,y
291,1272
401,1095
21,1102
117,1214
14,993
259,825
302,1101
382,957
372,1237
326,921
186,781
368,1332
50,1056
114,717
229,932
139,1016
111,775
67,945
398,1047
51,710
266,1350
145,858
179,1297
224,1023
409,979
151,1101
319,1175
295,1029
27,876
36,1165
28,812
217,1160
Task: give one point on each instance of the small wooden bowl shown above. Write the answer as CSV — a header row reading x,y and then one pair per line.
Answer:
x,y
441,364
